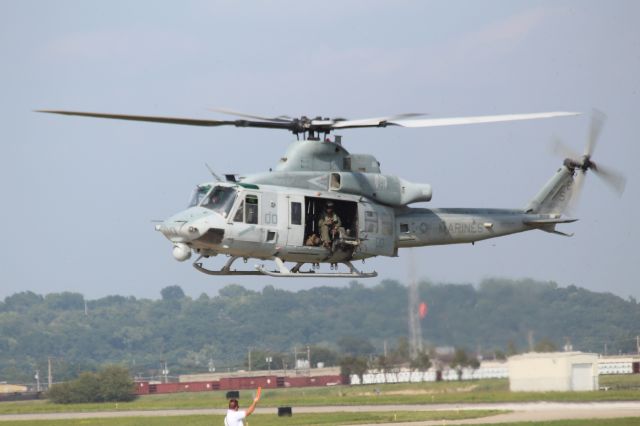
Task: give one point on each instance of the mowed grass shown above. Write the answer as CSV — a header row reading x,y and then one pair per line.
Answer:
x,y
620,381
269,419
493,390
624,421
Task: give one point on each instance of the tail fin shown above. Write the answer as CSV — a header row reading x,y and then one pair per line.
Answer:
x,y
555,196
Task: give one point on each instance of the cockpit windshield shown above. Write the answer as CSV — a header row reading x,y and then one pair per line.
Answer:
x,y
220,199
198,194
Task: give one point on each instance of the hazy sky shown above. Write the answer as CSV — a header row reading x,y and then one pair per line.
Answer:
x,y
78,194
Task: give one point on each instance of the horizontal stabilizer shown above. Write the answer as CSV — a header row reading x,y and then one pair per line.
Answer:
x,y
549,224
549,221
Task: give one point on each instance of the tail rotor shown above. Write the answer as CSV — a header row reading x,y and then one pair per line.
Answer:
x,y
580,164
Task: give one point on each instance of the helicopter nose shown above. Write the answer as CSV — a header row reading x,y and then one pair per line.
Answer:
x,y
179,231
188,226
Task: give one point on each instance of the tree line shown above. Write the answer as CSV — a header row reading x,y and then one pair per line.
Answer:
x,y
496,318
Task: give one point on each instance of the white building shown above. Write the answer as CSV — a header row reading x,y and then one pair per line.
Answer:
x,y
553,371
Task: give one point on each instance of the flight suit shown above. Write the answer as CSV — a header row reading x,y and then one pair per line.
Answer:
x,y
329,226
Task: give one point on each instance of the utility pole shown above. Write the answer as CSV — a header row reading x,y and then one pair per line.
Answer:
x,y
37,380
249,359
638,345
415,328
49,374
295,358
309,358
605,349
530,339
385,347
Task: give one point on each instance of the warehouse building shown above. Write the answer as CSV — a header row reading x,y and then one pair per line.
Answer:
x,y
553,371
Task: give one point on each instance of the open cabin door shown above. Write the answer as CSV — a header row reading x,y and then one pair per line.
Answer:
x,y
376,229
296,220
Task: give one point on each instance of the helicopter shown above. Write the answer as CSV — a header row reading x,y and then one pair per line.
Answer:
x,y
322,204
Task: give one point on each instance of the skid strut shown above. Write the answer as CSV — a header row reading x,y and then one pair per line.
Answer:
x,y
226,269
283,271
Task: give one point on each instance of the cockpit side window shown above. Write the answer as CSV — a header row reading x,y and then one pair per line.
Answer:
x,y
239,216
220,200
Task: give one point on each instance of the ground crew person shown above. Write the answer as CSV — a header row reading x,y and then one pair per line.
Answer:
x,y
329,225
235,417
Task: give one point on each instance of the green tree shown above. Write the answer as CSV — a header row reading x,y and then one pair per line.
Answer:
x,y
112,383
324,355
461,359
353,365
86,388
172,292
355,346
545,345
421,362
116,384
401,353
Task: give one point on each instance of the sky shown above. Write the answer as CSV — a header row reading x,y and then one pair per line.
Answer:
x,y
79,195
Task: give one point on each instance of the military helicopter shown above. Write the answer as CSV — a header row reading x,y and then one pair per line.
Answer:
x,y
324,205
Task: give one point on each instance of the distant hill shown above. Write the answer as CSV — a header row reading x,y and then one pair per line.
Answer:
x,y
188,333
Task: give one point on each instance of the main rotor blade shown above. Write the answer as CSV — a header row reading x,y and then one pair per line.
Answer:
x,y
176,120
456,121
283,118
615,180
372,122
598,119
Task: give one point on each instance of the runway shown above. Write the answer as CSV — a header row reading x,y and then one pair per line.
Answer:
x,y
520,412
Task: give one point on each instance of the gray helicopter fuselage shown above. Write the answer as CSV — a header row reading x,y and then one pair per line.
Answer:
x,y
284,219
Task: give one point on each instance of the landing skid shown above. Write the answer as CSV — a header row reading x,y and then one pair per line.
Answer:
x,y
226,269
283,271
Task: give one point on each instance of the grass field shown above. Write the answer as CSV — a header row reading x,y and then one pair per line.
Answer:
x,y
268,419
622,388
626,421
621,381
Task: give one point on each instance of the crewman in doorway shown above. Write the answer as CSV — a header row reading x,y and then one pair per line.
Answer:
x,y
329,225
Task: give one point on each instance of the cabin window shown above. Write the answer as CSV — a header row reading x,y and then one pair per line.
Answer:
x,y
404,227
251,209
335,181
296,213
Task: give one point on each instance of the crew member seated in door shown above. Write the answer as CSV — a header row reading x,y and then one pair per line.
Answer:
x,y
329,225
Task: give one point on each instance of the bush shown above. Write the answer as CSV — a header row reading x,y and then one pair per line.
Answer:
x,y
115,384
112,384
